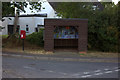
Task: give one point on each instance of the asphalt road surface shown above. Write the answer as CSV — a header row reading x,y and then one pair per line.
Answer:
x,y
32,68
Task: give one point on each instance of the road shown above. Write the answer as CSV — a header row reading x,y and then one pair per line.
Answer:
x,y
32,68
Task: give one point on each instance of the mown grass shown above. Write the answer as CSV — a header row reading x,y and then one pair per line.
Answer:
x,y
4,36
15,45
98,54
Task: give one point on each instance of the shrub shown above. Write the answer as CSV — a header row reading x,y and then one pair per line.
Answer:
x,y
36,38
104,39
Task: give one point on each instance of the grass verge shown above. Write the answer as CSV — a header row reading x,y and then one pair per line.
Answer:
x,y
100,54
15,45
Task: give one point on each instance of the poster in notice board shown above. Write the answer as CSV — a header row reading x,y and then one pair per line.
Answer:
x,y
65,33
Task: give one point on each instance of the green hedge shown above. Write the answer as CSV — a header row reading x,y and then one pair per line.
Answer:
x,y
36,38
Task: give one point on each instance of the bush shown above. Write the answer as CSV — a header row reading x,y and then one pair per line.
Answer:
x,y
36,38
104,39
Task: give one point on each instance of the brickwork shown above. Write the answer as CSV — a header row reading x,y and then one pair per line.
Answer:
x,y
82,32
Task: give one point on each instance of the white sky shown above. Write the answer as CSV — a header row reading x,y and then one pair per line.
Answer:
x,y
45,5
116,1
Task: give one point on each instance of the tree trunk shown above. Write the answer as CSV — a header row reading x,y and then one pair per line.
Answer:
x,y
15,23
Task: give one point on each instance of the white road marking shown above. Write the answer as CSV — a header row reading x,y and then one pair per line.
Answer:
x,y
28,67
50,71
97,71
86,72
109,72
106,69
117,70
86,76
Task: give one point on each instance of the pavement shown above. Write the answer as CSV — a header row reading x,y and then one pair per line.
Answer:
x,y
65,56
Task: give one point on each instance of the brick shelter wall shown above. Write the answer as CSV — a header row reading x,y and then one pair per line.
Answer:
x,y
82,32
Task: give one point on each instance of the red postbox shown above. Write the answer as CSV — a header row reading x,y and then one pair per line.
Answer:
x,y
22,34
68,27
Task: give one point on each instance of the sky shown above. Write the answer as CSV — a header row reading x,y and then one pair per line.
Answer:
x,y
115,1
45,5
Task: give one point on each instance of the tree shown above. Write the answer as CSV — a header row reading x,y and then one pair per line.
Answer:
x,y
102,23
74,10
8,8
118,15
118,23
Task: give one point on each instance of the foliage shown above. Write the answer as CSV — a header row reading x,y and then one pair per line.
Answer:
x,y
8,8
74,10
118,24
36,38
102,25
